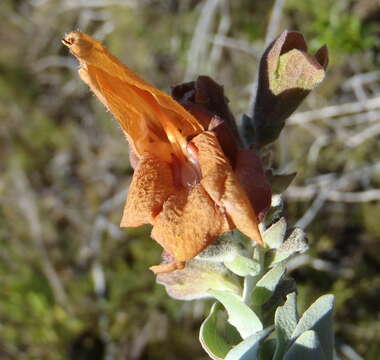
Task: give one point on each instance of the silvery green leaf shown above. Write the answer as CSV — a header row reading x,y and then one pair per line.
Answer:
x,y
306,347
194,281
275,234
225,248
267,349
276,210
296,243
285,287
280,182
266,286
248,348
286,319
214,344
240,315
318,317
243,266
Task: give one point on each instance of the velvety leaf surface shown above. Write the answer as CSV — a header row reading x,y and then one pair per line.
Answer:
x,y
275,234
295,243
307,347
286,319
318,317
266,286
248,349
214,344
243,266
240,315
197,278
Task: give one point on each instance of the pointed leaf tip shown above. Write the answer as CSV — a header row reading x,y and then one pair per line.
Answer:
x,y
307,347
275,234
248,349
322,56
286,319
266,286
318,317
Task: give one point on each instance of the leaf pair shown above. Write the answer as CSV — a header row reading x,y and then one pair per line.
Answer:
x,y
309,338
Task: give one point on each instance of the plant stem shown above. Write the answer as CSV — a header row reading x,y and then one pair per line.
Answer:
x,y
251,281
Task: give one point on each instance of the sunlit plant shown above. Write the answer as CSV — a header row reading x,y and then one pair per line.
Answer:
x,y
213,199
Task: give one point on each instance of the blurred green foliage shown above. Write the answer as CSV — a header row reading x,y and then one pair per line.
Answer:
x,y
333,23
75,286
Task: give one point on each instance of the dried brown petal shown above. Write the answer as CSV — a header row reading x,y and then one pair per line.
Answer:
x,y
223,187
222,131
152,183
188,223
210,96
250,173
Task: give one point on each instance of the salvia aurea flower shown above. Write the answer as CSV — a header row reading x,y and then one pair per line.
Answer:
x,y
193,181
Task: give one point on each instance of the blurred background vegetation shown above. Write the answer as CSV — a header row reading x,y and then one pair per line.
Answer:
x,y
75,286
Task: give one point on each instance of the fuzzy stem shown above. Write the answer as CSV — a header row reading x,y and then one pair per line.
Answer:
x,y
251,281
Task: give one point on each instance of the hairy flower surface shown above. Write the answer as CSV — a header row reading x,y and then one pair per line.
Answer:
x,y
191,180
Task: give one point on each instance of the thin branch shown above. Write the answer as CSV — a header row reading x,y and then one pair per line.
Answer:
x,y
97,271
367,133
305,193
271,32
312,212
349,352
354,197
237,44
356,119
53,61
27,203
362,79
318,264
198,47
330,188
335,111
316,147
223,28
74,4
274,21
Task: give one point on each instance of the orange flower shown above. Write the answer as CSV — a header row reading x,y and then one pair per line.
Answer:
x,y
184,184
